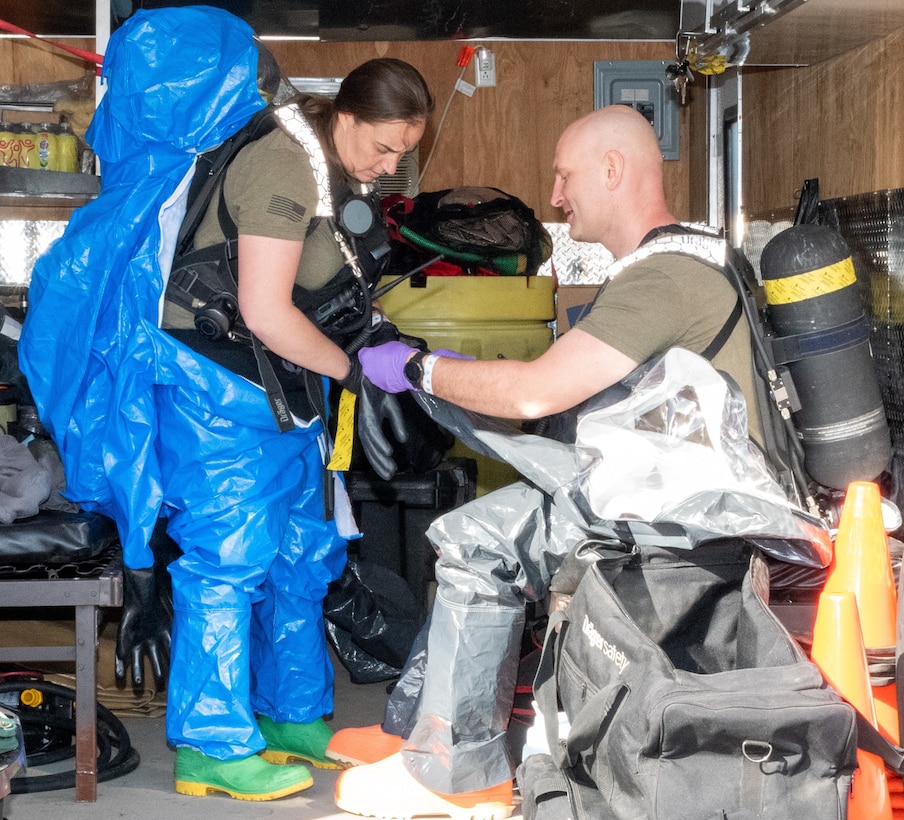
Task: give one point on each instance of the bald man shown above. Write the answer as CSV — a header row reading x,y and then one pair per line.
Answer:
x,y
666,289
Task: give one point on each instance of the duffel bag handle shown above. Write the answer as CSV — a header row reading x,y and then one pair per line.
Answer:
x,y
593,719
592,722
545,689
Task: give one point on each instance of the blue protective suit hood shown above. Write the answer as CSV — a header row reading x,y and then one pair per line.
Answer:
x,y
179,81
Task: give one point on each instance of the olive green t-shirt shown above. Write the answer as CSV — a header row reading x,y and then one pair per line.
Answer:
x,y
270,191
674,300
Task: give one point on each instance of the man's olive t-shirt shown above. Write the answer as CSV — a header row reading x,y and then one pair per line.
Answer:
x,y
674,300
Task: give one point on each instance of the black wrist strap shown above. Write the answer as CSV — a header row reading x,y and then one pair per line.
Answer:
x,y
417,359
352,381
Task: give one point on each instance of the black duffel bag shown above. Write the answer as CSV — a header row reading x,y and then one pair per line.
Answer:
x,y
687,699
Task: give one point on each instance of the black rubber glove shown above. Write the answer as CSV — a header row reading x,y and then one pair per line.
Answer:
x,y
379,412
388,332
144,630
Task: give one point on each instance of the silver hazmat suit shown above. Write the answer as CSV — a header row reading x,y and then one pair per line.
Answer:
x,y
670,465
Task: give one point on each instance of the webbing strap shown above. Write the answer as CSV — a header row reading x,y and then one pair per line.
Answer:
x,y
203,184
804,345
723,335
185,282
753,778
276,398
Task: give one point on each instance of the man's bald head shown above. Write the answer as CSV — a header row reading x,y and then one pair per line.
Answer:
x,y
609,178
619,128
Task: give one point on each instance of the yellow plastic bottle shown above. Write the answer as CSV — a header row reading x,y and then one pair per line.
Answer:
x,y
48,159
67,145
7,139
28,147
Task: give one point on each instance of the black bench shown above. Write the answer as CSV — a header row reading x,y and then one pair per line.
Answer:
x,y
62,559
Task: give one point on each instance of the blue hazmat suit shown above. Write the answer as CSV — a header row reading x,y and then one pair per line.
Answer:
x,y
148,428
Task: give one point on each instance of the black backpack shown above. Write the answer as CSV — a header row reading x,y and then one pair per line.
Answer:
x,y
472,226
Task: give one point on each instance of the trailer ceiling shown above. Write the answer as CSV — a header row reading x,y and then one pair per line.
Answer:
x,y
761,32
798,32
389,19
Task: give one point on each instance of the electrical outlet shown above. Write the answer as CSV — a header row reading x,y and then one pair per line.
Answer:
x,y
485,71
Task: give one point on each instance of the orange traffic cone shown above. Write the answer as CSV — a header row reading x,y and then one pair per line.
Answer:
x,y
896,794
885,699
838,652
862,565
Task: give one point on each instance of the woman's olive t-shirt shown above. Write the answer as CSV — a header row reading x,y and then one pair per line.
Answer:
x,y
270,191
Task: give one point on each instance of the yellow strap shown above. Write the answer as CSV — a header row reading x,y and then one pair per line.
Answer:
x,y
345,433
811,284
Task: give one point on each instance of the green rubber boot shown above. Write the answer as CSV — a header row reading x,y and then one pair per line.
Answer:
x,y
247,778
287,742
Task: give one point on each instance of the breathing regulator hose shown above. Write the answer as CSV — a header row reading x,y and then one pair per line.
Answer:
x,y
46,712
361,339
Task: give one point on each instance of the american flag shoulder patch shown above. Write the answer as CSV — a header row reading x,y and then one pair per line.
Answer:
x,y
286,208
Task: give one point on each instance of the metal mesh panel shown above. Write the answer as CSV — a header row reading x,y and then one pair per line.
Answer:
x,y
757,236
873,226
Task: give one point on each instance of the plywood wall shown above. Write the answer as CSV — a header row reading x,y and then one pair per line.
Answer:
x,y
841,121
503,136
25,61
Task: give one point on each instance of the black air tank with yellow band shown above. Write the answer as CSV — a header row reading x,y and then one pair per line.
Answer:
x,y
822,335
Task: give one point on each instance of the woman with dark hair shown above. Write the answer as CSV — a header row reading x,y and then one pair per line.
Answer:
x,y
152,390
250,672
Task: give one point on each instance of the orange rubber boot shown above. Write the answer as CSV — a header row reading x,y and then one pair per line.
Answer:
x,y
362,745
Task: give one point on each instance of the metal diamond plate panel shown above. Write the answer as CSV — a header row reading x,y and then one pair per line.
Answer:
x,y
575,263
21,243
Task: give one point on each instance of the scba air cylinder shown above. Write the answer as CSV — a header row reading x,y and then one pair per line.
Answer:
x,y
822,334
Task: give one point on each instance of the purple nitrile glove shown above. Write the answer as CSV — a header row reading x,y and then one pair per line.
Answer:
x,y
384,365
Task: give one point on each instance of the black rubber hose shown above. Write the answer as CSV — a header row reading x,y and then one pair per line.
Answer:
x,y
111,734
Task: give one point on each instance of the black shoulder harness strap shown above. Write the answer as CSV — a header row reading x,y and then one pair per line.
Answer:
x,y
719,340
774,388
209,170
724,333
209,173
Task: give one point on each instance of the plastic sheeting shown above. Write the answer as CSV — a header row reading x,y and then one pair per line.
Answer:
x,y
670,464
372,620
91,348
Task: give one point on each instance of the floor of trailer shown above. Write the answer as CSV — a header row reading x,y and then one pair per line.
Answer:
x,y
147,793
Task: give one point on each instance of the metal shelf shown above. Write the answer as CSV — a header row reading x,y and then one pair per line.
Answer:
x,y
29,187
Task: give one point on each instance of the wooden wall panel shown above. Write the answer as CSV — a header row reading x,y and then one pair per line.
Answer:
x,y
840,121
503,136
25,61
